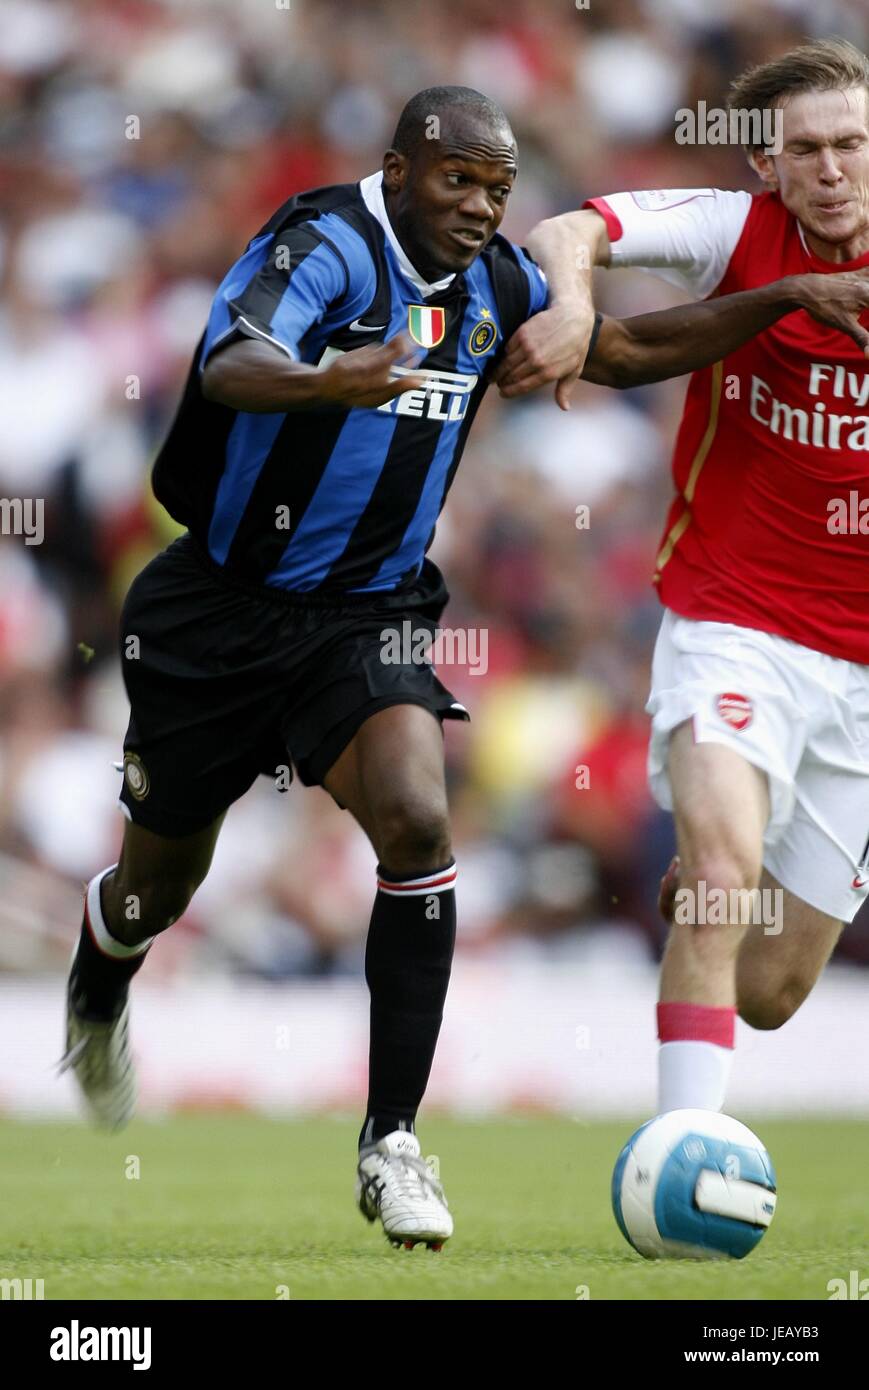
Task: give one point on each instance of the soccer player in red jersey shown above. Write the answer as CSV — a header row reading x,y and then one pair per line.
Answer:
x,y
760,684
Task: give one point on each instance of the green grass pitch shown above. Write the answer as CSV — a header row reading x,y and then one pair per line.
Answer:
x,y
237,1207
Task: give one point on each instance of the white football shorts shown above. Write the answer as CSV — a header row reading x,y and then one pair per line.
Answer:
x,y
796,714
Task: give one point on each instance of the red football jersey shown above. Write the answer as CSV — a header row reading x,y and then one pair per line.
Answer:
x,y
771,463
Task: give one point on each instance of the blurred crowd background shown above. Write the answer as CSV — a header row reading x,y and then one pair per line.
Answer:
x,y
141,145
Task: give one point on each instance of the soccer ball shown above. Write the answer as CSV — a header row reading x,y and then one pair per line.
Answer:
x,y
693,1184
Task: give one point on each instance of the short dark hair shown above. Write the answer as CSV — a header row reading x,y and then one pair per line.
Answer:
x,y
413,128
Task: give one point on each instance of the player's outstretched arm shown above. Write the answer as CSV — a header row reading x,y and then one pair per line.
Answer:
x,y
255,377
551,346
653,347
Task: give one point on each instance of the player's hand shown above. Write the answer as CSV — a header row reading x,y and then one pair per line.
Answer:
x,y
366,376
551,346
838,300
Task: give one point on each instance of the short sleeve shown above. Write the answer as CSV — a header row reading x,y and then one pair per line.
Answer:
x,y
538,286
280,288
687,236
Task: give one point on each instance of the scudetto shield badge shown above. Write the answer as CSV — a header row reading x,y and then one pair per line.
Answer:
x,y
427,325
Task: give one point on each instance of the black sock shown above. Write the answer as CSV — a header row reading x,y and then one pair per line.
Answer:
x,y
99,981
407,966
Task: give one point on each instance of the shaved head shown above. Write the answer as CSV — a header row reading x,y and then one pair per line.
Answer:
x,y
415,125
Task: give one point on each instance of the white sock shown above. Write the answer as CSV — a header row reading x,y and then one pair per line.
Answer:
x,y
692,1075
108,944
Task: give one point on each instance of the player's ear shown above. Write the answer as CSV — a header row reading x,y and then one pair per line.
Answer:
x,y
764,166
395,167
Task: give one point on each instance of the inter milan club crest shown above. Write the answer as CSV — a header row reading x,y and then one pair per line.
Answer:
x,y
427,325
136,776
483,334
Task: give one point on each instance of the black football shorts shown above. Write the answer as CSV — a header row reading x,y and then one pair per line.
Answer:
x,y
228,681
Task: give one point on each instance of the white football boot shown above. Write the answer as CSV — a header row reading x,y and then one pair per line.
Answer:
x,y
394,1183
98,1054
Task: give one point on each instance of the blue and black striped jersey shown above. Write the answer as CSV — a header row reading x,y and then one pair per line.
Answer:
x,y
339,499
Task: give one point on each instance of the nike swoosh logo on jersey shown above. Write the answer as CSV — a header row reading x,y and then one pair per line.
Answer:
x,y
357,327
858,882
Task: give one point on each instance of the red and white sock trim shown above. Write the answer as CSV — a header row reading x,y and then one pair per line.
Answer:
x,y
696,1023
100,934
441,881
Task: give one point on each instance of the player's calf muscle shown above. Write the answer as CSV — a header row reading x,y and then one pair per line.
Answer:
x,y
135,910
696,952
154,881
768,993
769,1011
776,972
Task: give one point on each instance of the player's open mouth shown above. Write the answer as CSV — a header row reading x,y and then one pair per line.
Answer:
x,y
466,237
833,207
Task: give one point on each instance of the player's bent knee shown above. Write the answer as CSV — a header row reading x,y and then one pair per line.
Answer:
x,y
716,889
771,1011
712,908
413,835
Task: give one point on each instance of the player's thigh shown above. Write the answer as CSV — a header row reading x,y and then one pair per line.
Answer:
x,y
780,961
391,777
721,807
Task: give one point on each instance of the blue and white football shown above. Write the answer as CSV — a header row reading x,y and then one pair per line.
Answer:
x,y
693,1184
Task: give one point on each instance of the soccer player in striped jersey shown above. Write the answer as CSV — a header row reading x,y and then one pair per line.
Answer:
x,y
320,429
760,682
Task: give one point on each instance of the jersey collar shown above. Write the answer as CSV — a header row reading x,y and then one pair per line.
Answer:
x,y
371,189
